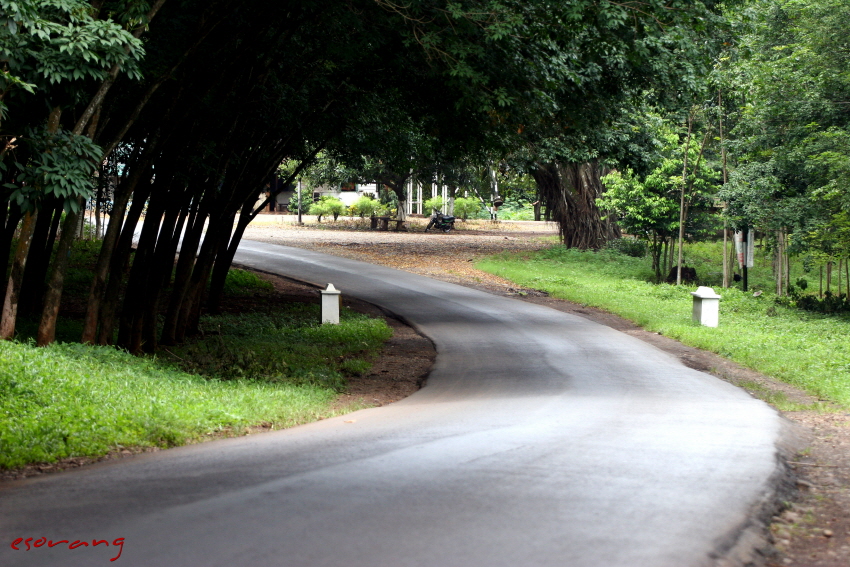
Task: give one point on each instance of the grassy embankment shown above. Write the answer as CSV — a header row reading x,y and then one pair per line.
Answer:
x,y
807,350
277,367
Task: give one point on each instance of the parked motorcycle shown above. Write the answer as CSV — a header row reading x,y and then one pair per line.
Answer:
x,y
441,222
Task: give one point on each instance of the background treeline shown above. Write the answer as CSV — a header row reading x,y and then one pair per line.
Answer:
x,y
170,116
765,146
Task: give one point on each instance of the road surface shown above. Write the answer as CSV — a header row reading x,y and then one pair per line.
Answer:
x,y
540,439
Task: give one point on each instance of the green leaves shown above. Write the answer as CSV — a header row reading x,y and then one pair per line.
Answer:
x,y
793,134
62,166
48,43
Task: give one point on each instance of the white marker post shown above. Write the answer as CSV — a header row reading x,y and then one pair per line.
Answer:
x,y
706,306
331,303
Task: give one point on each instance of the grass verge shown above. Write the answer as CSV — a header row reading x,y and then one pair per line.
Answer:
x,y
271,364
807,350
73,400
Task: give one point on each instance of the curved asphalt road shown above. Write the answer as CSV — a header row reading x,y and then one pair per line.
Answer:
x,y
540,439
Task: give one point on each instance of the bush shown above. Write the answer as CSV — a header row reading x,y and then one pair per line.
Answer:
x,y
514,210
319,209
829,304
629,247
335,206
365,206
466,207
434,203
327,206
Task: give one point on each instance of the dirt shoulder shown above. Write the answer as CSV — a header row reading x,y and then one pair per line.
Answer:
x,y
810,529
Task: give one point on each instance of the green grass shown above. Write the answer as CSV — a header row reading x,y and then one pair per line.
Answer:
x,y
73,400
805,349
270,365
242,282
280,368
284,345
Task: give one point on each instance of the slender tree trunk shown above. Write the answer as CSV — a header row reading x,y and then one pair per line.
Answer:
x,y
829,277
13,288
97,201
656,251
118,267
847,275
189,316
682,200
671,253
224,260
53,297
160,274
725,255
104,259
777,264
130,323
38,260
183,272
725,180
11,216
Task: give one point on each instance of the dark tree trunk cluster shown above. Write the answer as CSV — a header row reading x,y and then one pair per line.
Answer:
x,y
569,191
194,146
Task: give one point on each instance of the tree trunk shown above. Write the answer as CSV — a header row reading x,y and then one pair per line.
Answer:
x,y
160,274
117,267
569,192
829,277
190,311
196,287
53,297
130,324
183,272
13,216
104,260
38,259
725,255
847,275
97,201
224,260
840,270
13,288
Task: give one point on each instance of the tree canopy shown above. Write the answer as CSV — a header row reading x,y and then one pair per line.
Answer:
x,y
183,109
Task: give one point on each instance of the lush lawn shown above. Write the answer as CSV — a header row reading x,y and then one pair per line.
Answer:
x,y
285,344
808,350
277,366
70,400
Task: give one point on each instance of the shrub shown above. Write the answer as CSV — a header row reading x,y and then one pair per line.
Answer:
x,y
434,203
466,207
319,209
364,206
628,246
327,206
334,206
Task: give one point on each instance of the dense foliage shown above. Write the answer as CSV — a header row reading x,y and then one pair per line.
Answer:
x,y
788,84
184,109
